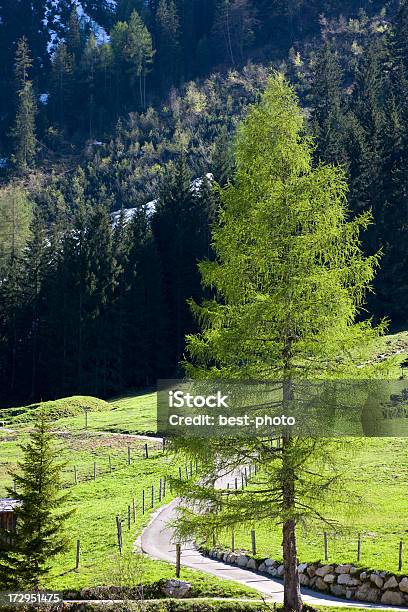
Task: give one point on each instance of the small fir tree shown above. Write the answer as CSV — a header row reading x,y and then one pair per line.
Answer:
x,y
40,518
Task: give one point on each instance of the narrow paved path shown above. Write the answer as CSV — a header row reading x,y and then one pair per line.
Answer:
x,y
157,541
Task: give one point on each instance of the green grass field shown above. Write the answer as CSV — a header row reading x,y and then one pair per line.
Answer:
x,y
96,503
378,472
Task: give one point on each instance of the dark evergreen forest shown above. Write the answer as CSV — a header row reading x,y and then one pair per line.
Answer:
x,y
117,123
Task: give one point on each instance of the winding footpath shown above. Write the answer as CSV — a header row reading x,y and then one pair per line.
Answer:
x,y
157,542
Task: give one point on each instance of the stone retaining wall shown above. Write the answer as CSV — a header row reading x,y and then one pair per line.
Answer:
x,y
347,581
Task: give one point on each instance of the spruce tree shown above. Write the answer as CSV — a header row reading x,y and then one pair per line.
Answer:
x,y
74,40
37,258
100,280
168,43
222,159
40,519
15,221
392,199
327,107
289,280
62,81
24,132
180,229
233,30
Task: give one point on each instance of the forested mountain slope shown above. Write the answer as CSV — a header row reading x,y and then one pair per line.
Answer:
x,y
106,106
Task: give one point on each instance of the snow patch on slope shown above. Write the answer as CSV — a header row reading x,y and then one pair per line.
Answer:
x,y
150,207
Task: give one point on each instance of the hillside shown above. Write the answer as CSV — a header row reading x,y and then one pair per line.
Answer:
x,y
91,307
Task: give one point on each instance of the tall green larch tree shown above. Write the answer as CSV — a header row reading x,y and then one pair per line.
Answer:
x,y
133,53
289,280
139,53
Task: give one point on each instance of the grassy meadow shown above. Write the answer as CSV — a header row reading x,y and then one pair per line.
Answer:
x,y
377,471
97,502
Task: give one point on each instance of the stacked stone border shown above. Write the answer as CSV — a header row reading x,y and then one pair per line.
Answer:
x,y
346,580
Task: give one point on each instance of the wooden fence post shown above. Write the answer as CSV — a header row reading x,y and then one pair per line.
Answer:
x,y
129,515
180,475
233,540
326,547
129,456
191,469
78,554
242,481
236,482
400,556
119,529
178,560
186,468
160,489
146,451
253,542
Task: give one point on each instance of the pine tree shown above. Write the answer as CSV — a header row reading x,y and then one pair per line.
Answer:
x,y
233,29
37,259
146,320
100,280
15,219
392,199
89,62
168,43
74,40
290,280
24,126
180,229
125,8
23,62
222,161
40,519
16,216
328,107
62,81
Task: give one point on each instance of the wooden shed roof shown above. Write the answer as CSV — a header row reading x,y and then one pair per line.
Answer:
x,y
8,505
